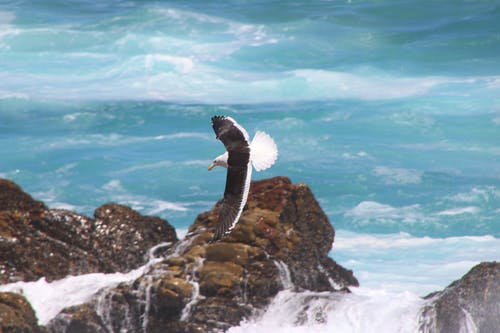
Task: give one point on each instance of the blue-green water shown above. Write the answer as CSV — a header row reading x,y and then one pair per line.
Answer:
x,y
388,110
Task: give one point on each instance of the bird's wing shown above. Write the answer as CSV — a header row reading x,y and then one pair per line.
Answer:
x,y
233,135
239,171
235,197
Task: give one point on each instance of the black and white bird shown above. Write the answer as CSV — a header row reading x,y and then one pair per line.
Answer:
x,y
239,157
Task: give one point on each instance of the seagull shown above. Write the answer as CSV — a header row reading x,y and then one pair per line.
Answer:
x,y
239,157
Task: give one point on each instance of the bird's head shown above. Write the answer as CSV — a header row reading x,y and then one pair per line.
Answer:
x,y
220,160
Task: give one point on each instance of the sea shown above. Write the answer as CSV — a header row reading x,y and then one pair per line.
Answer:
x,y
388,110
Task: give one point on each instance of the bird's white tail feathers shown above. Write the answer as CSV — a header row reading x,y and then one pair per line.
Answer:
x,y
263,150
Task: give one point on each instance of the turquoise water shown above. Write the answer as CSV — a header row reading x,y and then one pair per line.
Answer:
x,y
389,111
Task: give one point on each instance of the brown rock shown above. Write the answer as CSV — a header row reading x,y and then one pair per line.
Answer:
x,y
37,242
124,236
205,287
13,198
285,221
16,315
238,253
219,277
180,287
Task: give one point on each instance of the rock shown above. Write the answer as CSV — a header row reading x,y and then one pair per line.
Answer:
x,y
39,242
130,235
13,198
473,302
16,315
282,241
78,319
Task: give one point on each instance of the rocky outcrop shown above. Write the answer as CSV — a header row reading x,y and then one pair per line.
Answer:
x,y
282,241
16,315
39,242
471,304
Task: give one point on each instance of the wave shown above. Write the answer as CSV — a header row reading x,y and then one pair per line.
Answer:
x,y
348,240
399,262
49,298
376,210
364,310
143,77
164,164
459,211
453,147
482,194
150,206
451,215
115,139
398,175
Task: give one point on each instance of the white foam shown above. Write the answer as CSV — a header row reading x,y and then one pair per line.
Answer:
x,y
363,311
402,262
376,210
114,139
460,211
183,65
184,135
355,156
348,240
362,86
161,205
149,166
118,193
398,175
50,197
194,78
113,185
48,299
476,195
181,232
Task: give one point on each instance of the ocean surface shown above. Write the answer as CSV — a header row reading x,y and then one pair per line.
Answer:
x,y
388,110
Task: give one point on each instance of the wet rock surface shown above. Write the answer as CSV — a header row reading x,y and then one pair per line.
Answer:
x,y
16,315
471,304
39,242
282,241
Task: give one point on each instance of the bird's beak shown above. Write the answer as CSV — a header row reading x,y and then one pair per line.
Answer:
x,y
211,166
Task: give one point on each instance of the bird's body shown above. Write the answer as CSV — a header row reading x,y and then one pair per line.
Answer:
x,y
241,154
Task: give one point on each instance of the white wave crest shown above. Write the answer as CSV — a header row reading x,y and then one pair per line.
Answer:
x,y
348,240
364,310
460,211
118,193
398,175
183,65
376,210
192,79
476,195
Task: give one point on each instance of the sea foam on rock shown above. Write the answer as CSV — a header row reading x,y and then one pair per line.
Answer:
x,y
471,304
39,242
282,241
17,316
